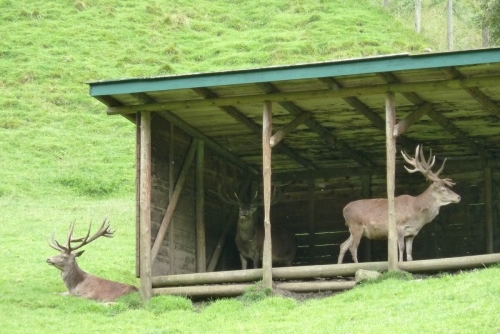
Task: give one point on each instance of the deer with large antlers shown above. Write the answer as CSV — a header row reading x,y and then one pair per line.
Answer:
x,y
369,217
78,282
250,235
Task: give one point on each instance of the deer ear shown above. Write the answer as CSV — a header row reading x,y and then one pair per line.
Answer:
x,y
79,253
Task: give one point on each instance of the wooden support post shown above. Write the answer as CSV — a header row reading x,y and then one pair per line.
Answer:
x,y
266,163
390,116
145,207
137,194
201,258
173,201
171,182
488,207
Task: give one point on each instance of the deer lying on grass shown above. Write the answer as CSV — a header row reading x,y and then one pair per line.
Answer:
x,y
250,236
78,282
369,217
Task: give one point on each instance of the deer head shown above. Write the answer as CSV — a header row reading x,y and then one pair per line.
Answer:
x,y
67,257
424,166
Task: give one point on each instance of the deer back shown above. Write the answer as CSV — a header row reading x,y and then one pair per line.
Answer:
x,y
101,289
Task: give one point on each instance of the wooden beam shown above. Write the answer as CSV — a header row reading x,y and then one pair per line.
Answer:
x,y
390,117
488,208
173,201
243,119
457,133
258,131
321,131
412,118
208,141
145,207
458,166
349,269
201,257
475,92
171,180
324,271
216,277
450,263
267,265
401,87
364,110
281,133
138,195
439,118
484,100
225,290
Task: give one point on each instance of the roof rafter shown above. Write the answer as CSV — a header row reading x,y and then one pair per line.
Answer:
x,y
438,118
321,131
144,98
240,117
397,87
476,93
364,110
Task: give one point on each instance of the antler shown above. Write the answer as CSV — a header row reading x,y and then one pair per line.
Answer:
x,y
104,230
277,195
226,199
424,166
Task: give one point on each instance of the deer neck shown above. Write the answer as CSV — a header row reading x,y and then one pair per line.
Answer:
x,y
247,229
73,276
426,202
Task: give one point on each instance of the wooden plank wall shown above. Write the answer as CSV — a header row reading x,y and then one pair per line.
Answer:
x,y
458,230
177,253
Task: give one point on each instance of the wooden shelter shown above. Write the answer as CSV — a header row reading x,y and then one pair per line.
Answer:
x,y
337,128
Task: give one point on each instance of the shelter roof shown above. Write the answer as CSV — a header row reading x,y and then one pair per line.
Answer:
x,y
338,108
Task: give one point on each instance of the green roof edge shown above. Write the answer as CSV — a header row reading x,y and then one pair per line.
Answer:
x,y
338,68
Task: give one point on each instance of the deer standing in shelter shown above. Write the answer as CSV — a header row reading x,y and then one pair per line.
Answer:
x,y
369,217
250,236
78,282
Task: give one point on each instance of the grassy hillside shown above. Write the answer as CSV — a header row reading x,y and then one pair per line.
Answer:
x,y
63,159
55,139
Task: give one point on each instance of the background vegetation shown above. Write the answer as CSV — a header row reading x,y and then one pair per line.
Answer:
x,y
63,159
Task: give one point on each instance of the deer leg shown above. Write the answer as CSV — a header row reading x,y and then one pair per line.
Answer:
x,y
343,248
409,246
401,247
354,247
256,263
244,262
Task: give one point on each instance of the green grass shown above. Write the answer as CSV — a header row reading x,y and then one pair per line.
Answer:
x,y
63,159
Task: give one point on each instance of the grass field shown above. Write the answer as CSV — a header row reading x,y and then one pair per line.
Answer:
x,y
62,159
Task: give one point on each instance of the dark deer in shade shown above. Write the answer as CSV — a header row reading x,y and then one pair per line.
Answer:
x,y
250,236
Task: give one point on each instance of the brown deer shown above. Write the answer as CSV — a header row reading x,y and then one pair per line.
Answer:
x,y
78,282
369,217
250,236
